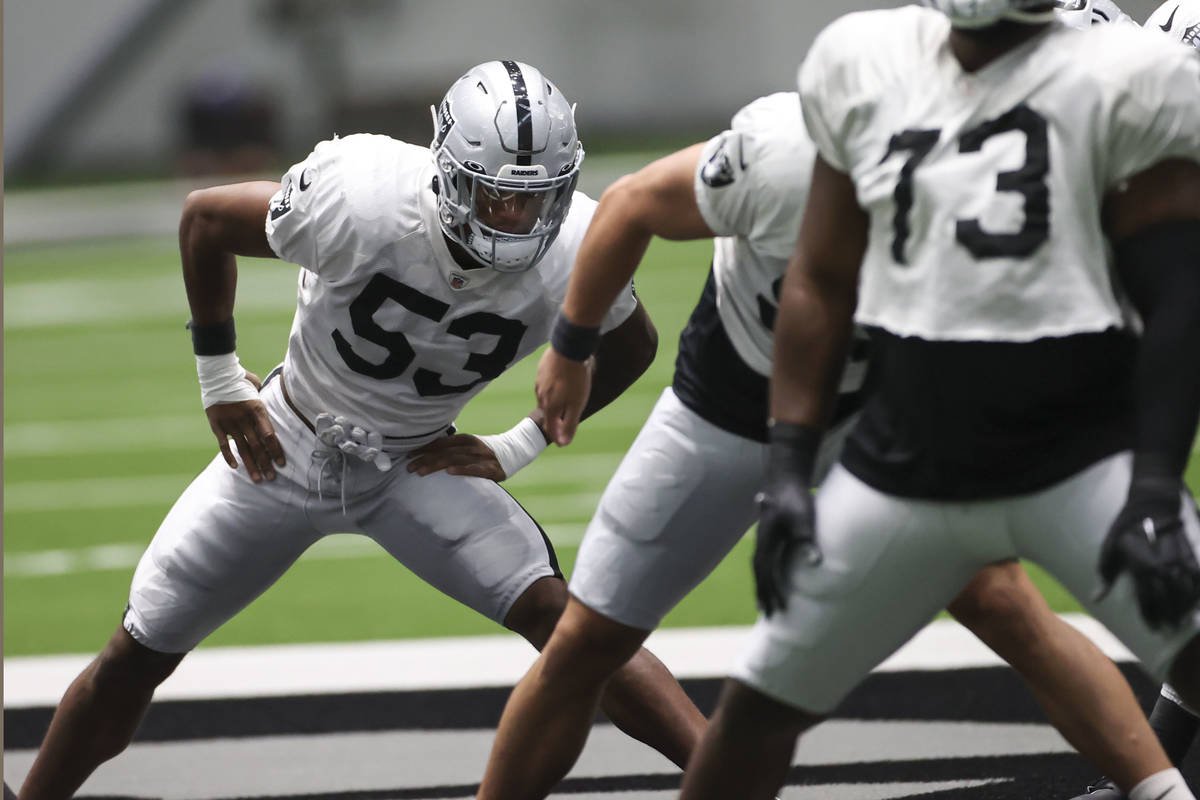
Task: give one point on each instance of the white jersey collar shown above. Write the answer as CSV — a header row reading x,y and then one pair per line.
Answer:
x,y
456,277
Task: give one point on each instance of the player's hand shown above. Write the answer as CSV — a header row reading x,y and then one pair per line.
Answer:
x,y
249,426
1149,541
787,523
460,454
787,529
562,388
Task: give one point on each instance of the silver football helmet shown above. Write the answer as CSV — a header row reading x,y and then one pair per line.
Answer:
x,y
982,13
507,160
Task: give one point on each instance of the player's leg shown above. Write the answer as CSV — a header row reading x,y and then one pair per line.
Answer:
x,y
97,716
889,566
1175,722
747,748
1063,528
541,737
223,543
1185,670
679,502
681,498
1082,692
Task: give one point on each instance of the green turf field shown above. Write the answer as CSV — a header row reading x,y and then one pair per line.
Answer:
x,y
103,429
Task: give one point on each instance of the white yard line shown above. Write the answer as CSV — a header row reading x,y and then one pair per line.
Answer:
x,y
86,301
462,662
124,555
63,437
554,470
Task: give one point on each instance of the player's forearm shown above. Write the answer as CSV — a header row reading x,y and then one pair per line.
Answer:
x,y
658,200
209,271
812,333
1161,267
609,255
217,224
624,355
817,300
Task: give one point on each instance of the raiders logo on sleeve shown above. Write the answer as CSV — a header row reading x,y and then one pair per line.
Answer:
x,y
282,202
718,170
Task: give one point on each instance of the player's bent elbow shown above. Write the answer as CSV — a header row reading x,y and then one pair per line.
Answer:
x,y
626,203
198,221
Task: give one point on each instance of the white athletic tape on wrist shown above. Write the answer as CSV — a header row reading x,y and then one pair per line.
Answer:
x,y
223,380
517,447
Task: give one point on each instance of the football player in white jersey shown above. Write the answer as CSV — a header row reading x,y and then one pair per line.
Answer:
x,y
1175,722
1012,208
425,273
684,494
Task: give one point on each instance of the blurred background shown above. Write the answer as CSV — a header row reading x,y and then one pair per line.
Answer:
x,y
142,89
115,109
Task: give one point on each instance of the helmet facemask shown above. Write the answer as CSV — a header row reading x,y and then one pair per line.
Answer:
x,y
506,222
507,161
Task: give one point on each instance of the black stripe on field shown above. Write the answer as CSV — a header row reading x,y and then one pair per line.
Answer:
x,y
1045,775
524,116
982,695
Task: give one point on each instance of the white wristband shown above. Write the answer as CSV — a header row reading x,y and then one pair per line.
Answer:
x,y
223,380
517,447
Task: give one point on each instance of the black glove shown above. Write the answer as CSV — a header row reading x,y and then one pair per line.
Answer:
x,y
1148,539
787,522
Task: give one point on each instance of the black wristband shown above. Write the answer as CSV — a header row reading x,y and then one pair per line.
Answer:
x,y
572,341
215,339
793,449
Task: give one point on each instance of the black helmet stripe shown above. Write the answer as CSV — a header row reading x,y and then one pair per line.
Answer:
x,y
524,116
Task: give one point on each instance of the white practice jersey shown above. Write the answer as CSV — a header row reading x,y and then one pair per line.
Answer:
x,y
1179,19
389,330
1085,13
983,188
751,187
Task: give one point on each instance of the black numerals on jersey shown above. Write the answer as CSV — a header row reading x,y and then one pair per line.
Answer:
x,y
1029,181
401,355
918,144
768,308
378,290
488,365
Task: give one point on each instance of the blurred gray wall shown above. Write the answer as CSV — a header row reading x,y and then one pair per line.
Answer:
x,y
85,95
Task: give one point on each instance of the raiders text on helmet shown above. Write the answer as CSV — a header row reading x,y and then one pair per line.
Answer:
x,y
507,159
981,13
